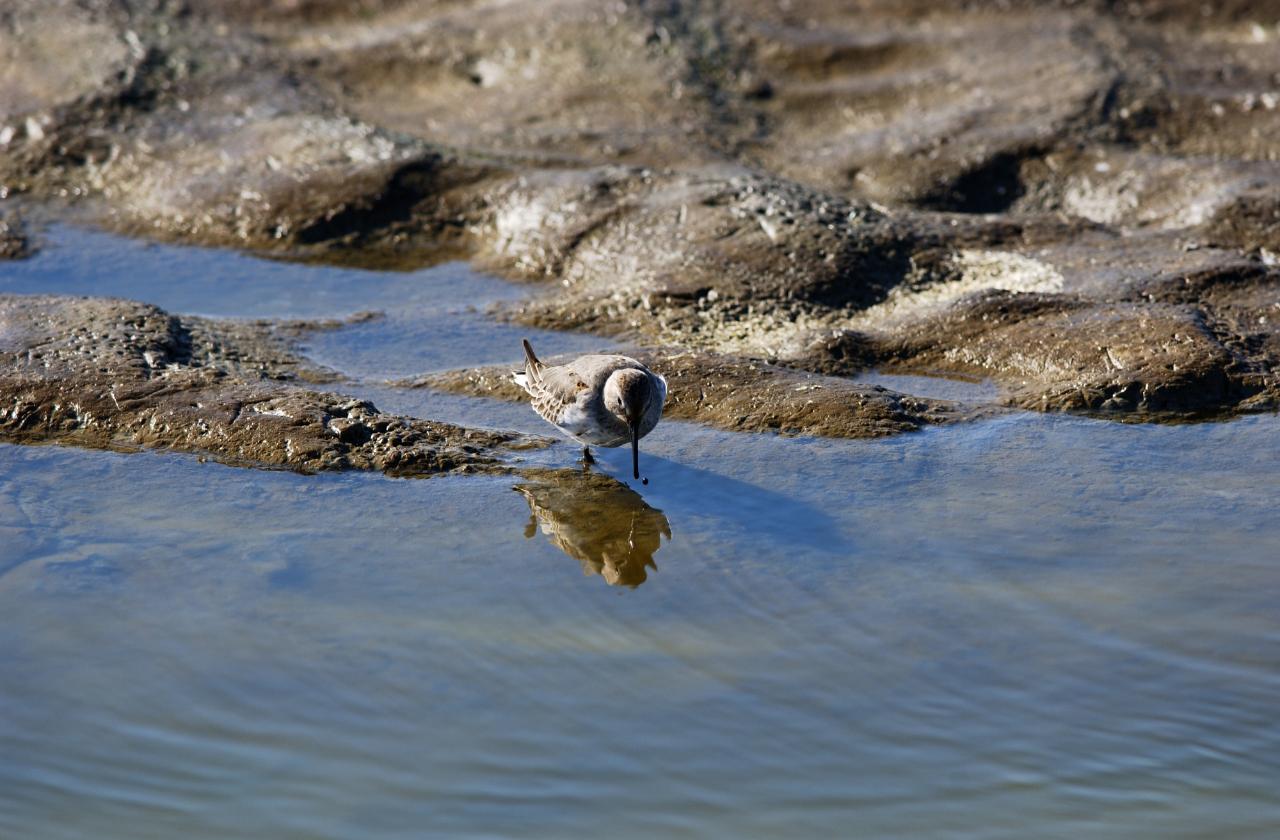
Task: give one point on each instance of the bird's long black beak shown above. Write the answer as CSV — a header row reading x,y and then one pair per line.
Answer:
x,y
635,450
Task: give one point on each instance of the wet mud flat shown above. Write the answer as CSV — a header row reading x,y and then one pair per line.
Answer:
x,y
1074,201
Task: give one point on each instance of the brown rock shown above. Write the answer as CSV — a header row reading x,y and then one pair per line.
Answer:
x,y
821,185
111,373
1058,353
14,244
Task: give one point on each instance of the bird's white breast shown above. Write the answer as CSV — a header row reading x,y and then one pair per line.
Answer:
x,y
574,419
578,421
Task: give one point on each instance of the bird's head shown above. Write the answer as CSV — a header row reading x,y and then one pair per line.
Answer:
x,y
628,394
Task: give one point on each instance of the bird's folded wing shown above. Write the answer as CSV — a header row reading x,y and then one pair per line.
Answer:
x,y
555,389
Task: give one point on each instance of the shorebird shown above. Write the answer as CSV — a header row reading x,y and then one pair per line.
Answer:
x,y
601,400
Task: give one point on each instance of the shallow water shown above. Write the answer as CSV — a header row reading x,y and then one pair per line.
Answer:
x,y
432,320
933,387
1028,626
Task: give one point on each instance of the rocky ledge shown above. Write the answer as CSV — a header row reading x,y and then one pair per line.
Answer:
x,y
1077,199
117,374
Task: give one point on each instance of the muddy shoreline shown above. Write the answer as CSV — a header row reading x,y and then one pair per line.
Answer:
x,y
1077,201
122,375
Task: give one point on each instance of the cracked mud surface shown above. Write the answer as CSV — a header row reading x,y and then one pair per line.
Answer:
x,y
1077,201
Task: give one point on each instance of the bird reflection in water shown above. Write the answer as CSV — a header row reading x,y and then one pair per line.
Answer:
x,y
600,522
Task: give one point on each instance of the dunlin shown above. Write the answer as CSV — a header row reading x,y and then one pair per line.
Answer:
x,y
600,400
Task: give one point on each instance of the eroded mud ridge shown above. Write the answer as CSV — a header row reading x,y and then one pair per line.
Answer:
x,y
112,373
1078,200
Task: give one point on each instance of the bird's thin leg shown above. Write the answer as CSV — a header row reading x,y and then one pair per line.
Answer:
x,y
587,458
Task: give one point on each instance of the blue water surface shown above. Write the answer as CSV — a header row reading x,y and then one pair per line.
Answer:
x,y
1028,626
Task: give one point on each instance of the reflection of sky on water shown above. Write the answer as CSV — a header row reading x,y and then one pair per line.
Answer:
x,y
434,318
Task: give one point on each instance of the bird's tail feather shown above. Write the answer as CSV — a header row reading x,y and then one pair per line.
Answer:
x,y
529,354
532,367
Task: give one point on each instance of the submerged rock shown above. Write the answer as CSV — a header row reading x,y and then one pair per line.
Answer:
x,y
111,373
